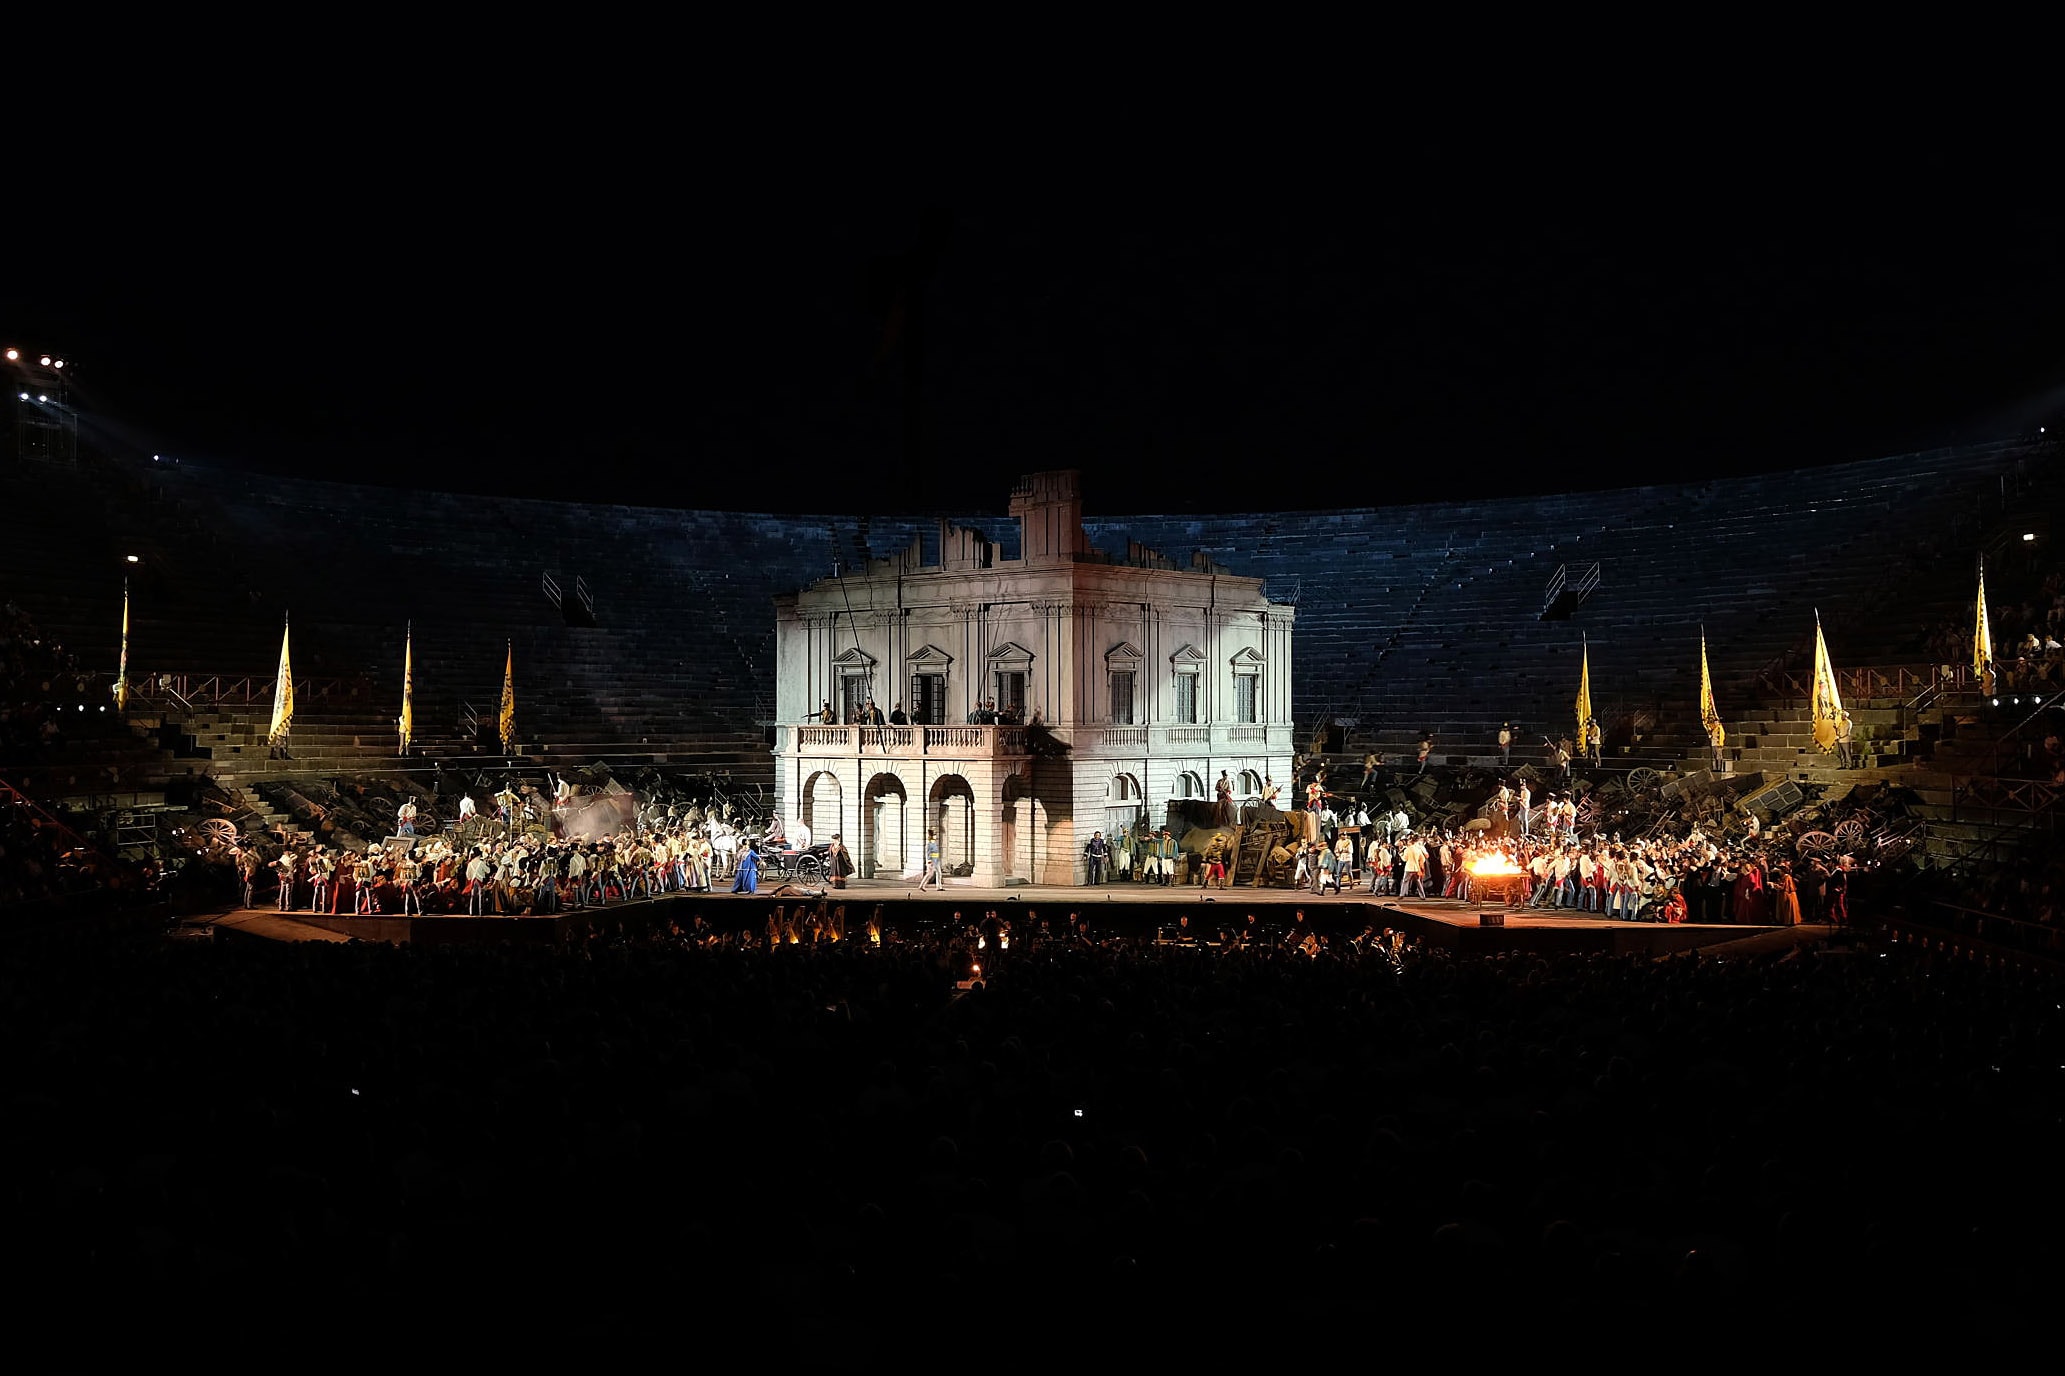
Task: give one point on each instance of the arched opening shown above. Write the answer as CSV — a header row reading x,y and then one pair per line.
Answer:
x,y
1250,784
1122,805
950,810
820,809
1016,829
883,843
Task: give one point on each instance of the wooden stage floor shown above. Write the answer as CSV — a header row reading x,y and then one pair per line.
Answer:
x,y
1117,909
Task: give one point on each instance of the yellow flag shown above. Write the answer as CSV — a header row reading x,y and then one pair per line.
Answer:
x,y
1709,714
282,696
1982,638
1828,703
122,667
408,722
509,701
1584,697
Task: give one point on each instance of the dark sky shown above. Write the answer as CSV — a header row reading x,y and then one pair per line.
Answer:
x,y
673,349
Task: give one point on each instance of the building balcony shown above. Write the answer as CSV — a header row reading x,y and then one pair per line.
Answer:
x,y
1221,738
904,741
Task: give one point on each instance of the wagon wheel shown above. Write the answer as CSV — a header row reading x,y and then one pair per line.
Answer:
x,y
220,831
1815,843
810,869
1894,849
1642,779
1850,834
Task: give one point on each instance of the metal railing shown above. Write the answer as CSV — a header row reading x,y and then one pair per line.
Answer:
x,y
191,692
1874,681
551,589
909,740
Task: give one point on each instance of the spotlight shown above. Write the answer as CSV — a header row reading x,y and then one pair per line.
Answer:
x,y
59,364
2028,535
46,360
1996,702
15,356
133,559
42,398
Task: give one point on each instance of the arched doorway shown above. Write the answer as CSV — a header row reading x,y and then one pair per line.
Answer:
x,y
950,809
1016,829
883,844
1122,805
820,810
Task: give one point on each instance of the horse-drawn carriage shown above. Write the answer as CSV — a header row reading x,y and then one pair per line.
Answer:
x,y
807,866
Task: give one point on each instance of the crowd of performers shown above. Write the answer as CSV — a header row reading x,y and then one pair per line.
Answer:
x,y
511,861
1521,852
1537,856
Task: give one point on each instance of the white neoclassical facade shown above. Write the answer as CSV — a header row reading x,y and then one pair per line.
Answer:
x,y
1122,685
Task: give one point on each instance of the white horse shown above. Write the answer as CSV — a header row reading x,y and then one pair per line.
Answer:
x,y
724,848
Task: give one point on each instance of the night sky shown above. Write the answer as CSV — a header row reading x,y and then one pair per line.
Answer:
x,y
755,355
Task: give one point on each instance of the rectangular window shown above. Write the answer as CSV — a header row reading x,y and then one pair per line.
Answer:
x,y
1244,697
928,699
1011,695
1122,697
853,691
1186,698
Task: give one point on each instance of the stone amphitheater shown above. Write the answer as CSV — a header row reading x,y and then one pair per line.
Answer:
x,y
644,636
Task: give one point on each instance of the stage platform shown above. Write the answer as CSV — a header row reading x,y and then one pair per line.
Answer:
x,y
1143,911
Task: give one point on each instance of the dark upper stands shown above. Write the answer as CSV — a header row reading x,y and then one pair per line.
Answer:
x,y
1409,619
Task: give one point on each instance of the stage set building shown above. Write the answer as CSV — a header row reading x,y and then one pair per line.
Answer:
x,y
1122,684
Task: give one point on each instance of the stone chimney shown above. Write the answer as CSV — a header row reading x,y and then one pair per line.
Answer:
x,y
1049,508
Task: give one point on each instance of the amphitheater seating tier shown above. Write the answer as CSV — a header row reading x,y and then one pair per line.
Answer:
x,y
1409,619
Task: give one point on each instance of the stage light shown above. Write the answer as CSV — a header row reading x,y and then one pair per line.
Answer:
x,y
59,364
14,355
46,360
1996,702
42,398
133,559
2028,535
